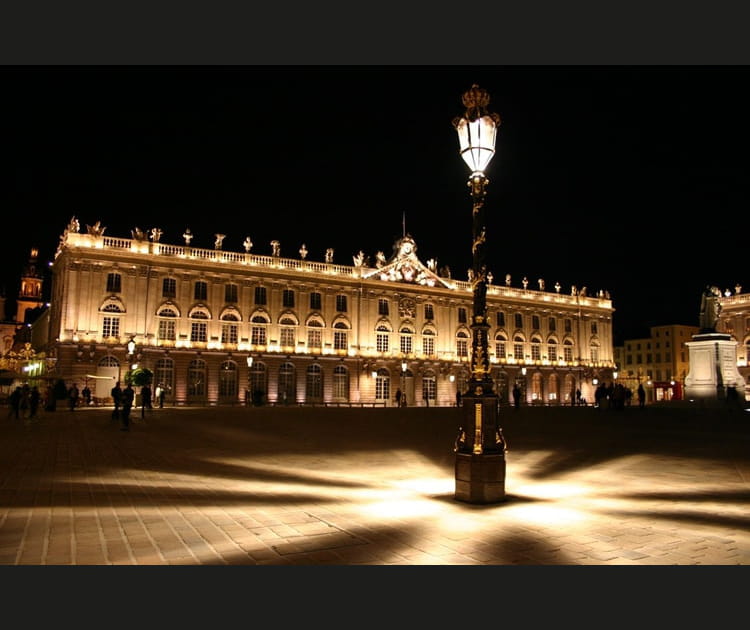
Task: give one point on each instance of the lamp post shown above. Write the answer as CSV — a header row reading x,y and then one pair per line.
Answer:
x,y
403,400
480,445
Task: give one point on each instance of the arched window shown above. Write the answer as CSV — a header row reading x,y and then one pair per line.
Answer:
x,y
536,387
287,383
406,339
228,381
199,326
109,361
428,342
111,318
258,330
594,351
462,344
196,380
383,336
288,333
536,348
258,384
552,349
518,343
341,337
568,350
314,334
167,324
501,342
229,328
554,388
340,383
314,384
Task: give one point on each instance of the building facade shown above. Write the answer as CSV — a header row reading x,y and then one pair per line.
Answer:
x,y
223,327
734,319
659,362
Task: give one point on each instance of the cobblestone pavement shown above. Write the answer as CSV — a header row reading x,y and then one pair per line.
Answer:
x,y
314,486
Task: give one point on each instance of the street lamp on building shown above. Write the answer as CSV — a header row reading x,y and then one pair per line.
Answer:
x,y
404,366
480,445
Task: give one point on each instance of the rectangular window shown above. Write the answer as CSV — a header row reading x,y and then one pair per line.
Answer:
x,y
406,343
229,333
382,306
535,322
314,338
461,315
519,320
315,301
169,288
287,298
552,324
428,312
594,353
568,353
260,296
462,348
258,335
287,337
111,327
593,328
201,291
568,327
382,342
500,349
113,282
231,294
552,352
501,318
167,329
428,345
198,331
339,340
341,303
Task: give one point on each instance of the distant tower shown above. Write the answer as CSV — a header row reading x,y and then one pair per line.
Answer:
x,y
30,296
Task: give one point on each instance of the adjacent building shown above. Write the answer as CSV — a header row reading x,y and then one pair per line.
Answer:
x,y
223,327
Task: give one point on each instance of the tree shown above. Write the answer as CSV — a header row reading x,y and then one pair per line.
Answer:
x,y
139,377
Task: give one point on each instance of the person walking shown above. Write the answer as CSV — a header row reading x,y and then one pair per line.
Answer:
x,y
398,397
641,396
128,396
86,393
145,399
15,403
458,398
35,398
73,397
116,393
516,396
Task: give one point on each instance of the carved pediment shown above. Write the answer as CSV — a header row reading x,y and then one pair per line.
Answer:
x,y
404,266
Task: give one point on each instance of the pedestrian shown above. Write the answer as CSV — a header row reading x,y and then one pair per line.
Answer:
x,y
425,399
25,400
86,393
50,402
145,399
458,398
516,396
116,393
403,400
15,403
578,397
398,397
128,396
34,398
641,396
160,395
73,396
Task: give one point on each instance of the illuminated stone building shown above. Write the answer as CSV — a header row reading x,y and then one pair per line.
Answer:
x,y
225,327
734,319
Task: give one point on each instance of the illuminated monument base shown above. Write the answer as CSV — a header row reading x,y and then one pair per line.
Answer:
x,y
480,476
713,367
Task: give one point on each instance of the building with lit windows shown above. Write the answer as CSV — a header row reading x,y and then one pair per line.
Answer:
x,y
734,319
659,362
222,327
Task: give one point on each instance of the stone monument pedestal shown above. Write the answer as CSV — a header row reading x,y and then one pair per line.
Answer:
x,y
713,367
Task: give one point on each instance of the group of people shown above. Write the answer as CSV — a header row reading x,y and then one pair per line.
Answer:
x,y
24,402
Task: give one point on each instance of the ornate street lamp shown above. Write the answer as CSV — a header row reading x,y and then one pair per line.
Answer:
x,y
480,445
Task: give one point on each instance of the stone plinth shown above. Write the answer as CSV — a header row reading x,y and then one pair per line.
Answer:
x,y
713,367
480,478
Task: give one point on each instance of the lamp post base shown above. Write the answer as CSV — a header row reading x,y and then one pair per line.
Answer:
x,y
480,478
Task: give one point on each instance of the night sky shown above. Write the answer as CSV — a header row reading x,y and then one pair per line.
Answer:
x,y
629,179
